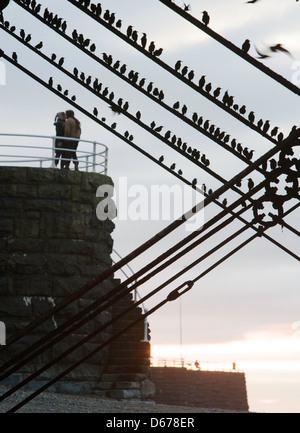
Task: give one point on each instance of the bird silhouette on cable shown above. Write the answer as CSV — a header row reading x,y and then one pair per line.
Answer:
x,y
3,4
15,57
246,46
173,166
250,184
243,110
205,18
251,117
39,45
144,41
202,81
186,7
191,75
151,48
260,123
134,36
119,24
161,159
184,71
129,31
178,65
266,126
176,105
217,92
158,52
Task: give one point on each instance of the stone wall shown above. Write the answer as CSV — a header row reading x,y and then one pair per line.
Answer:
x,y
52,244
207,389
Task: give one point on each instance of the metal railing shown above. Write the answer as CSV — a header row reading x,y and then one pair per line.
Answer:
x,y
92,155
195,365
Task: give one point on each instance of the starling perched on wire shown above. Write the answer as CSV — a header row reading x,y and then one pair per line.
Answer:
x,y
205,18
246,46
3,4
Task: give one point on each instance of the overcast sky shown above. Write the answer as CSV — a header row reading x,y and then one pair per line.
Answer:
x,y
255,291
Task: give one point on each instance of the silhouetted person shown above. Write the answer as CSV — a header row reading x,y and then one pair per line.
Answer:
x,y
59,123
72,130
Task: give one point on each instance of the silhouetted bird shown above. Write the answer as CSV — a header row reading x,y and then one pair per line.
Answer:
x,y
202,81
173,166
191,75
144,40
93,48
205,18
280,137
246,46
151,47
15,57
138,115
73,98
250,184
266,126
119,24
251,117
243,110
158,52
135,36
186,7
95,112
129,31
176,105
61,61
274,131
178,65
39,45
279,47
184,71
260,123
50,82
161,159
3,4
261,55
217,92
194,182
180,172
208,87
184,110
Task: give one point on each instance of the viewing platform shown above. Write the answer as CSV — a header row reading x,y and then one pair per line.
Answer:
x,y
25,150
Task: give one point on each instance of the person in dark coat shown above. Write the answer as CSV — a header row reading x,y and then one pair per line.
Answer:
x,y
72,130
59,123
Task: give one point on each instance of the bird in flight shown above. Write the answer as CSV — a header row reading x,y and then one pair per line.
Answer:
x,y
279,47
261,55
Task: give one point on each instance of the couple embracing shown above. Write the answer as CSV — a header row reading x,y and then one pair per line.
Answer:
x,y
67,126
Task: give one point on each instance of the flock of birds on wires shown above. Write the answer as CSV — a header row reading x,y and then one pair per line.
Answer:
x,y
120,106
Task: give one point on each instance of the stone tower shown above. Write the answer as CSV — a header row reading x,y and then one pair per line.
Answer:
x,y
52,244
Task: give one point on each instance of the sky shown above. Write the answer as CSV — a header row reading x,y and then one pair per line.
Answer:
x,y
245,310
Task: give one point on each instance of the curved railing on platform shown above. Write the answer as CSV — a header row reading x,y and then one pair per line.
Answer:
x,y
40,151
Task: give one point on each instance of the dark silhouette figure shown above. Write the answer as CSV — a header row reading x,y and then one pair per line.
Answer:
x,y
205,18
72,130
246,46
3,4
59,123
